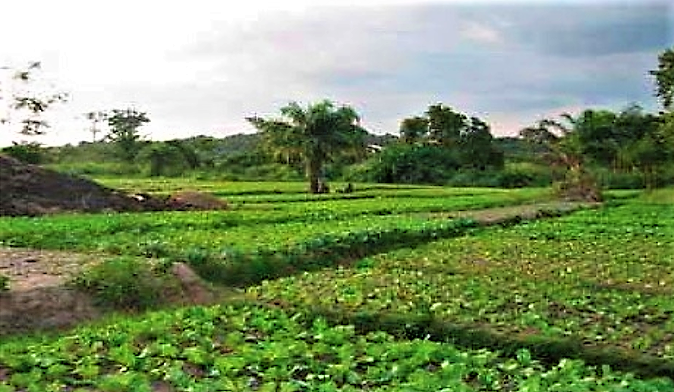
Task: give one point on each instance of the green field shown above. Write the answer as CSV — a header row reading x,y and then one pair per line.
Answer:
x,y
381,289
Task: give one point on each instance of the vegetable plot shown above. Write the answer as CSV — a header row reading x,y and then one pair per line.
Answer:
x,y
597,278
243,347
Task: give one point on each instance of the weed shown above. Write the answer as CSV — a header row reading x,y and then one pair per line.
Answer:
x,y
123,283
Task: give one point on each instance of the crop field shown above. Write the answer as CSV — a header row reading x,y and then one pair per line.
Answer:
x,y
600,278
383,289
248,348
226,240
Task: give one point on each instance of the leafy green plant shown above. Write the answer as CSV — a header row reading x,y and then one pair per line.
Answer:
x,y
589,280
251,347
124,283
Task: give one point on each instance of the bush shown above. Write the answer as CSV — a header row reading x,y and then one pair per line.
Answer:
x,y
609,179
97,169
123,283
31,153
475,178
408,164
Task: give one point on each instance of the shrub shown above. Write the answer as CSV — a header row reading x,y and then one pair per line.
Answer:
x,y
123,283
31,153
408,164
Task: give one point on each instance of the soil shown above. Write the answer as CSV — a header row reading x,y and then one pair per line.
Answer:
x,y
32,190
38,296
41,299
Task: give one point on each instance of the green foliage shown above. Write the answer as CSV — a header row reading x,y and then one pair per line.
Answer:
x,y
445,125
609,179
413,130
600,139
124,133
258,242
32,153
123,283
164,159
247,347
664,78
467,139
412,164
314,135
589,280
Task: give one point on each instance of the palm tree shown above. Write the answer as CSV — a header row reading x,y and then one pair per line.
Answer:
x,y
563,148
316,135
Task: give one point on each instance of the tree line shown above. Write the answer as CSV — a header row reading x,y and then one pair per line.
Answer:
x,y
324,141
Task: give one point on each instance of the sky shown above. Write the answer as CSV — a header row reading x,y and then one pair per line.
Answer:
x,y
201,67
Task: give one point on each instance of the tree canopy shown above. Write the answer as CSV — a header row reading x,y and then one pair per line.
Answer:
x,y
315,134
124,131
26,107
664,78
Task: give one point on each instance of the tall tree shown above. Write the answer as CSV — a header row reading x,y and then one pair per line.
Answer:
x,y
664,78
477,148
124,133
28,106
445,125
458,135
564,149
316,134
413,130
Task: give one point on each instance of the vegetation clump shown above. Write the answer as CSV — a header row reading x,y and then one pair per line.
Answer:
x,y
126,283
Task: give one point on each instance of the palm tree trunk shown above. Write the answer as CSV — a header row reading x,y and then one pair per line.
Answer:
x,y
313,173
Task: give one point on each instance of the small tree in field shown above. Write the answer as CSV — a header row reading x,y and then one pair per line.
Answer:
x,y
124,132
316,134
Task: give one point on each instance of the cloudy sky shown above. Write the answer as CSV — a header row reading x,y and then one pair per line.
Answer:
x,y
200,67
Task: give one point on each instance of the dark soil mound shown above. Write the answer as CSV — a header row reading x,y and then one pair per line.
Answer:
x,y
32,190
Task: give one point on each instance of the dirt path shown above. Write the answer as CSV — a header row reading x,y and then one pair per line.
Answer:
x,y
497,215
29,269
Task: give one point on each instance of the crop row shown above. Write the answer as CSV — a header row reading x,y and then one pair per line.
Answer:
x,y
233,188
600,278
243,347
249,227
370,193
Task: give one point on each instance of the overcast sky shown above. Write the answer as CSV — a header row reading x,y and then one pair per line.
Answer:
x,y
200,67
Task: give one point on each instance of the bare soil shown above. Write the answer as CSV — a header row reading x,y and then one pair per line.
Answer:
x,y
33,190
38,297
